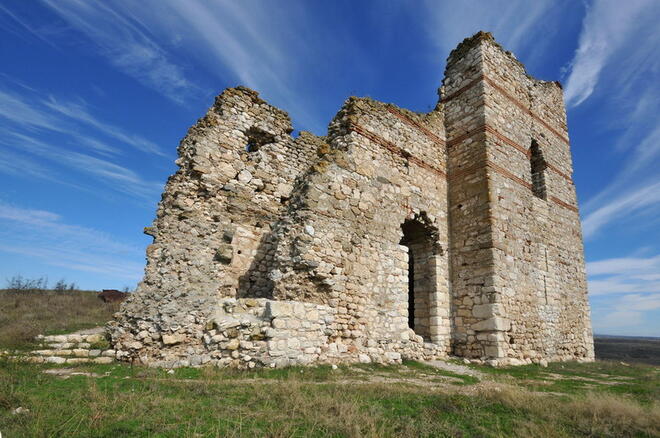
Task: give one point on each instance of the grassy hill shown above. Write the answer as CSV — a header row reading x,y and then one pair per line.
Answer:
x,y
27,313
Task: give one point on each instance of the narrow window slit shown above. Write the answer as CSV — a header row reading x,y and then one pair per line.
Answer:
x,y
538,166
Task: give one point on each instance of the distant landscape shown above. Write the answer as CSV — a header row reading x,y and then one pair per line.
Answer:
x,y
628,349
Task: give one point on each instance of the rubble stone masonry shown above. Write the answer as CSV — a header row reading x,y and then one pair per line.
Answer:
x,y
398,235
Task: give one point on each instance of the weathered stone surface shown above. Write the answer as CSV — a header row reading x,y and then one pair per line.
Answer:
x,y
271,250
491,324
173,339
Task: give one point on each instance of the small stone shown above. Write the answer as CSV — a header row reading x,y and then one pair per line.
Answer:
x,y
363,358
20,410
233,344
244,176
173,339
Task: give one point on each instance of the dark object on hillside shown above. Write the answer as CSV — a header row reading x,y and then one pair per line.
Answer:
x,y
112,296
628,349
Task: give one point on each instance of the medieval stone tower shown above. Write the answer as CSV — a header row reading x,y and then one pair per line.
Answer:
x,y
398,235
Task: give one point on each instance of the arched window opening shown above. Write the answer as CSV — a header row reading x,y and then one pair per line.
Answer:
x,y
420,240
256,138
538,166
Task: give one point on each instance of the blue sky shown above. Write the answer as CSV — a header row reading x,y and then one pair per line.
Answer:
x,y
95,96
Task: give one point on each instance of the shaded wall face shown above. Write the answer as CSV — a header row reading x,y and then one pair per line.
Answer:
x,y
386,166
538,251
218,209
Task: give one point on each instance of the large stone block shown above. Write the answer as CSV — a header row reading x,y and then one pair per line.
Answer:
x,y
492,324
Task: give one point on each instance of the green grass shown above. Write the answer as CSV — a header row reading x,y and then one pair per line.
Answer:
x,y
319,401
363,400
639,381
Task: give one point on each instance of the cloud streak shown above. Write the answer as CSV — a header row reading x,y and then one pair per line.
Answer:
x,y
619,45
80,113
607,28
513,23
263,45
626,205
116,177
625,294
126,45
624,275
43,235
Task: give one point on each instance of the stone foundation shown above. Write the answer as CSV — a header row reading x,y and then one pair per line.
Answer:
x,y
249,332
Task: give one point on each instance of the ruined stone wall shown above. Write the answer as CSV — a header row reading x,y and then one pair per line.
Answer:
x,y
384,165
398,235
237,168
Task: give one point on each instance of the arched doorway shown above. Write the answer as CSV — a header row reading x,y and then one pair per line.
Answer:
x,y
420,239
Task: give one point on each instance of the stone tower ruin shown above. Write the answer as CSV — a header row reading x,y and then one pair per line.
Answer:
x,y
398,235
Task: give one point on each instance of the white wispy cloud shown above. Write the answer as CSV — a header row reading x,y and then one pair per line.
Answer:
x,y
617,66
20,111
625,295
609,29
262,45
625,205
271,47
115,177
625,275
80,113
515,24
45,236
127,45
632,315
28,111
19,165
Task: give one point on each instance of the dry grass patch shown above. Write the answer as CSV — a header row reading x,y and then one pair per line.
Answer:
x,y
26,314
597,414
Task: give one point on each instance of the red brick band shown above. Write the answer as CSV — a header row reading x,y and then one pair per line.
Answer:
x,y
463,89
454,141
559,172
412,159
564,204
508,96
459,173
507,140
502,171
417,125
395,149
525,109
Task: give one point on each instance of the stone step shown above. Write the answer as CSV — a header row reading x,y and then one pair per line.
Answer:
x,y
64,360
78,352
72,338
66,345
